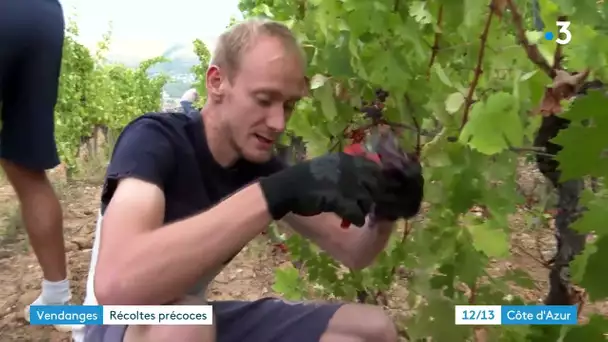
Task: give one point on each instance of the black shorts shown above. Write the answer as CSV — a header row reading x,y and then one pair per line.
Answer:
x,y
31,43
264,320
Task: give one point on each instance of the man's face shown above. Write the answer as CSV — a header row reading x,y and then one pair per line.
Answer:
x,y
256,105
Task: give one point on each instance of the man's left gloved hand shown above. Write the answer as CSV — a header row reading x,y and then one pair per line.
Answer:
x,y
402,185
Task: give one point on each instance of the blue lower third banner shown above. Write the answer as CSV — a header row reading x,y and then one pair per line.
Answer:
x,y
121,315
516,315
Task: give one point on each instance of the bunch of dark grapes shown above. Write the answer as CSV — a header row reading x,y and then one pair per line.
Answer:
x,y
373,111
381,94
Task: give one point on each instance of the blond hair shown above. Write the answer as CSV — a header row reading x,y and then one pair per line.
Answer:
x,y
234,42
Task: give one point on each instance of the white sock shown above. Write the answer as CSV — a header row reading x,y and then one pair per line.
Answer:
x,y
54,292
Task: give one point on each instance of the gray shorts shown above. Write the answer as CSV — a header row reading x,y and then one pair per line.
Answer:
x,y
264,320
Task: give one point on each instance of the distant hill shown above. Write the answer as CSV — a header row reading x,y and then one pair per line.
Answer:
x,y
181,57
181,60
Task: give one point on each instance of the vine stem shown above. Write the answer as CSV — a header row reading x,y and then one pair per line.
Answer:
x,y
536,150
479,333
531,50
539,260
410,107
478,69
435,47
406,232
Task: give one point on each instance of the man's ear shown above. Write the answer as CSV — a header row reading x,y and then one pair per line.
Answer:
x,y
214,81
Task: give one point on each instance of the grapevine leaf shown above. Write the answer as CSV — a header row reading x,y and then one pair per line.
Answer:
x,y
534,36
578,266
442,75
494,125
494,242
444,280
544,333
454,102
594,280
434,318
287,282
520,277
591,159
326,98
317,81
469,263
593,331
594,217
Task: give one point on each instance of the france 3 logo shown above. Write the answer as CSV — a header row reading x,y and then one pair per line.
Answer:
x,y
564,36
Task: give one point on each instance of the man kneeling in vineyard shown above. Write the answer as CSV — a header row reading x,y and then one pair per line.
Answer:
x,y
185,193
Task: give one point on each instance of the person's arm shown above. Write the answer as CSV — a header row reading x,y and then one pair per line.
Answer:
x,y
355,247
143,262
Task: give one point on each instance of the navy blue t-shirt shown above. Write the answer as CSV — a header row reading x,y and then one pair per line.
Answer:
x,y
171,151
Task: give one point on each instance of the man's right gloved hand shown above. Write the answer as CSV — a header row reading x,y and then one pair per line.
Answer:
x,y
339,183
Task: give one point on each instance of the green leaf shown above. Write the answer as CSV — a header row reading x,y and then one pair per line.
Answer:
x,y
494,125
287,282
325,96
594,217
595,278
534,36
494,242
520,278
593,331
317,81
590,157
454,102
442,76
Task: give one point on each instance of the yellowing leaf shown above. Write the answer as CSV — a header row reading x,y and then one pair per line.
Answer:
x,y
454,102
317,81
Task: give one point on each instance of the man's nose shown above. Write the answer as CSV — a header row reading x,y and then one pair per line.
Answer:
x,y
276,120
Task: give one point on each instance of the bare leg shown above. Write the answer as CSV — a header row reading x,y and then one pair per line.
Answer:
x,y
28,95
42,217
171,333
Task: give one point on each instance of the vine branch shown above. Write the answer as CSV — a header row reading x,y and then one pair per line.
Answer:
x,y
478,69
410,107
479,333
531,50
435,47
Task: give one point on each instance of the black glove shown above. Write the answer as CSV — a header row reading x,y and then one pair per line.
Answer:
x,y
402,187
338,183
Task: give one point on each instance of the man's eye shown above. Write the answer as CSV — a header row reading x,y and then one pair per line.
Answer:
x,y
264,102
289,107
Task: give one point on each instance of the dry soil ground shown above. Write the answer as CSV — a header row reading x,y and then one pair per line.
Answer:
x,y
248,276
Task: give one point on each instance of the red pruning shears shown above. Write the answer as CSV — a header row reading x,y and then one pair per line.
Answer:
x,y
367,149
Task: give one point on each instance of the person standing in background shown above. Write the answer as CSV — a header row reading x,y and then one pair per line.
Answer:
x,y
188,99
31,43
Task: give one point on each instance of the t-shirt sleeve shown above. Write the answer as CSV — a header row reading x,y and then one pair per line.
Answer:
x,y
143,151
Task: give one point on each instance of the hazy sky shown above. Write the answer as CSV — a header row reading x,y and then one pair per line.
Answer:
x,y
145,28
